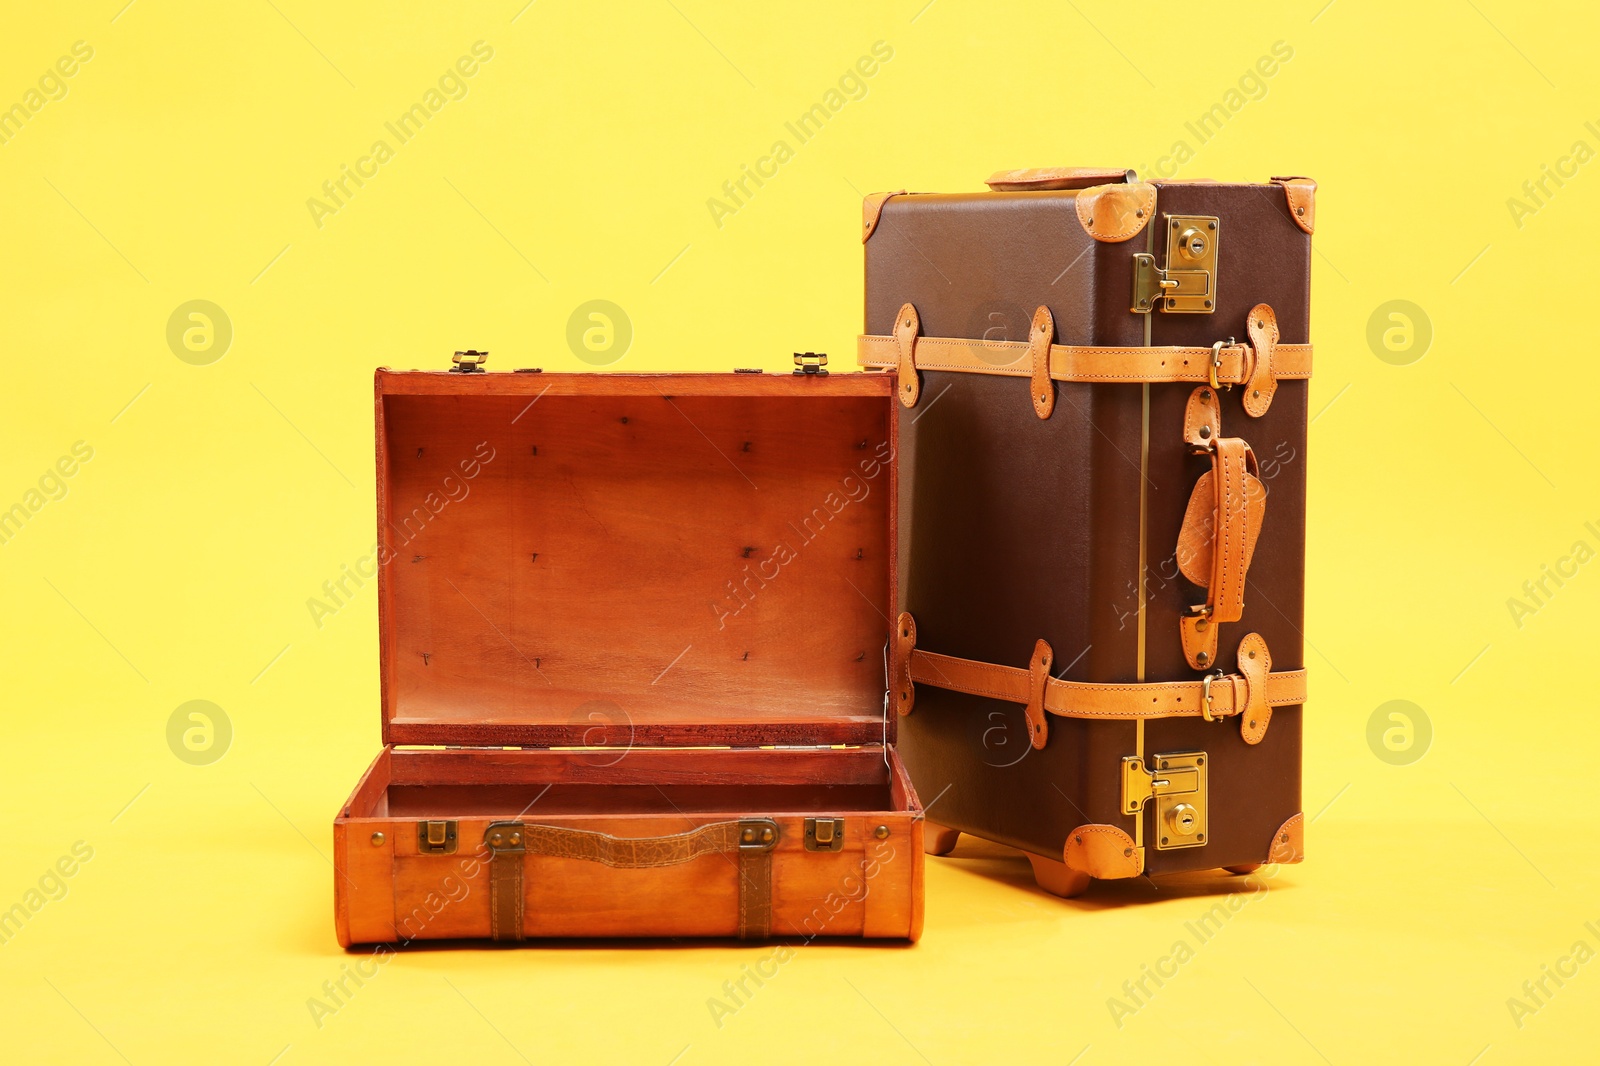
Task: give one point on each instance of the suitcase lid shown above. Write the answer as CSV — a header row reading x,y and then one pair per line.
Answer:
x,y
628,559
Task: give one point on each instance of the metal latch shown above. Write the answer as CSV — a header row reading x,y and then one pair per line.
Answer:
x,y
824,834
1178,786
468,362
811,363
758,834
436,838
1188,285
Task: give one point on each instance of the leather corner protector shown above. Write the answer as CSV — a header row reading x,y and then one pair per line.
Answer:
x,y
1199,635
906,324
1038,681
1302,194
1255,663
905,638
1113,213
1202,418
1039,342
872,208
1103,851
1263,384
1289,842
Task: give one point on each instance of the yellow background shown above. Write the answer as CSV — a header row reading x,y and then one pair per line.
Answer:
x,y
577,167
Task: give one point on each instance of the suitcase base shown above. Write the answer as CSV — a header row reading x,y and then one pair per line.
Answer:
x,y
521,843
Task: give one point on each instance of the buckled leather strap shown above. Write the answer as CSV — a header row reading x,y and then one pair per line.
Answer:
x,y
1235,363
1252,691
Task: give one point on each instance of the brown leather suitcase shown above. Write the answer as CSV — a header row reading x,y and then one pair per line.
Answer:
x,y
633,638
1102,519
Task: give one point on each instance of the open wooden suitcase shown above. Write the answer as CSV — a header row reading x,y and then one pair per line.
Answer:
x,y
1102,518
633,646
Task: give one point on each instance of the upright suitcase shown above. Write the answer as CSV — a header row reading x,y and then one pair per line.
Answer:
x,y
633,638
1102,518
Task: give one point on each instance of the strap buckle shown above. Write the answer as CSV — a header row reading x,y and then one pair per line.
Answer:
x,y
1205,696
1216,362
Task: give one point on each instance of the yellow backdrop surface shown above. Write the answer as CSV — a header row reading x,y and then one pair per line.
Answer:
x,y
351,185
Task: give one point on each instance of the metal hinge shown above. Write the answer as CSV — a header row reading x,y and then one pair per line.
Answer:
x,y
1178,785
468,362
1189,283
436,838
824,834
811,363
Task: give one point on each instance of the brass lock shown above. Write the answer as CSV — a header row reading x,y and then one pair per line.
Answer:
x,y
1192,243
1188,282
1177,786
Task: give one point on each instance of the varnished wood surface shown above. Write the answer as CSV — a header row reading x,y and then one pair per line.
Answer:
x,y
386,889
656,559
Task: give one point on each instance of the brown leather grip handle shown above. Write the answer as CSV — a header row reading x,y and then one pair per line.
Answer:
x,y
1220,528
1233,463
1058,178
752,840
639,853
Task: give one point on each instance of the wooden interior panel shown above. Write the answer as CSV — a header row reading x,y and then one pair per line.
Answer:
x,y
548,801
423,784
619,559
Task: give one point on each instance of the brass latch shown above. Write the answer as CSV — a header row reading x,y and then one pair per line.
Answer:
x,y
815,363
1188,285
1178,785
468,362
436,838
824,834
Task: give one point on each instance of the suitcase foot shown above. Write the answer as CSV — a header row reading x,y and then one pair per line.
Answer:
x,y
1246,868
1057,878
938,839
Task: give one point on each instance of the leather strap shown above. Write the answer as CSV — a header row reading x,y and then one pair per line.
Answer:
x,y
906,325
1044,390
1262,327
752,839
1236,364
505,843
1255,666
1229,694
1056,178
755,879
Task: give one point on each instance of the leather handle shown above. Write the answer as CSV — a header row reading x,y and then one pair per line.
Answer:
x,y
639,853
752,840
1238,506
1057,178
